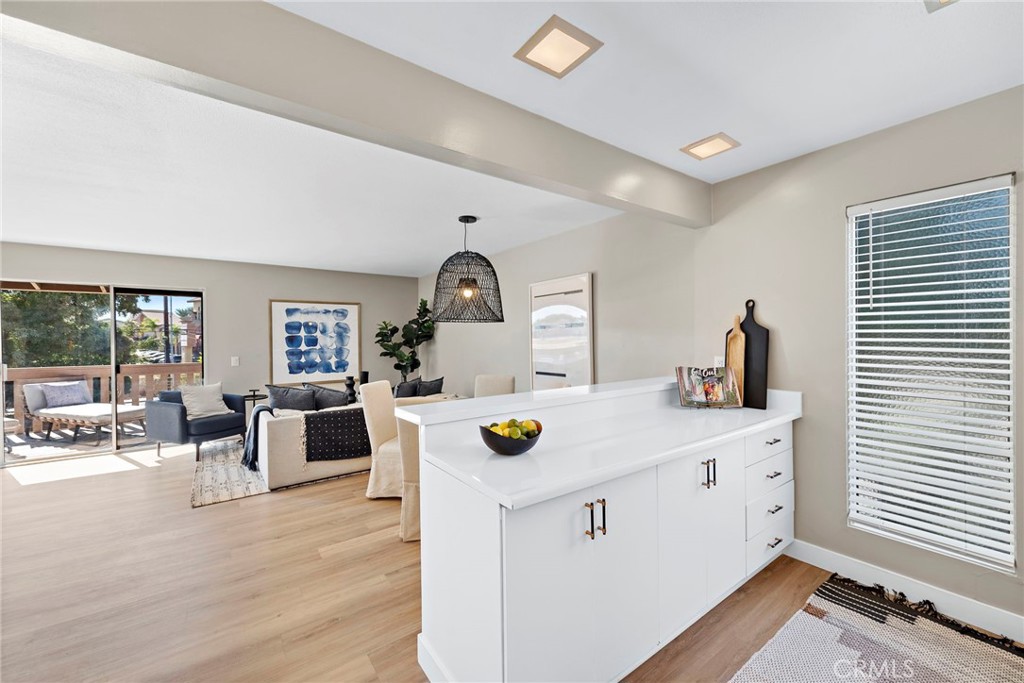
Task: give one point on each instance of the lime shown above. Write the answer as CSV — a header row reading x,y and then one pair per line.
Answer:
x,y
514,432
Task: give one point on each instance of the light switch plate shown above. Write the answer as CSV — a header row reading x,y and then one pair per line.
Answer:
x,y
234,361
719,361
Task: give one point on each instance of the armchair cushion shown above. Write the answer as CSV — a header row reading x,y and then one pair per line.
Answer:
x,y
216,423
202,401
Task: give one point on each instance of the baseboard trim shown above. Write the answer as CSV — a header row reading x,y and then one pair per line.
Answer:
x,y
967,610
428,661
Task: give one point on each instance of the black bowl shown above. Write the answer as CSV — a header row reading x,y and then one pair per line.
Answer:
x,y
502,445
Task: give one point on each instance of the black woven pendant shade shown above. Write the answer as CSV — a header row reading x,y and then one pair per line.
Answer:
x,y
467,288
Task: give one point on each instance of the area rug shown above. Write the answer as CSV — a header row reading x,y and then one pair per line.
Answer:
x,y
220,475
851,632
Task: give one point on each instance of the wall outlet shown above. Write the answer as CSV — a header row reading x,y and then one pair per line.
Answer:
x,y
234,361
719,361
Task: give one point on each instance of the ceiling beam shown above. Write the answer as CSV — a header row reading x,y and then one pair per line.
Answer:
x,y
260,56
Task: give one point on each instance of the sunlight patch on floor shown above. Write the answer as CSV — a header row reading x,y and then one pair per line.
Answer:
x,y
69,469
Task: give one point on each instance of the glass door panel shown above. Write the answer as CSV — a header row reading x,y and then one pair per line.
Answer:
x,y
159,344
56,369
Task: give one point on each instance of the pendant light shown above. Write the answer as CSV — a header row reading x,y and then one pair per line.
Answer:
x,y
467,287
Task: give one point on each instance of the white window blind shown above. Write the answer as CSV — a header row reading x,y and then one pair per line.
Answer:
x,y
930,363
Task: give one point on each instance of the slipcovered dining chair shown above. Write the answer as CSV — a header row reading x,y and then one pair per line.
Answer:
x,y
494,385
382,428
409,445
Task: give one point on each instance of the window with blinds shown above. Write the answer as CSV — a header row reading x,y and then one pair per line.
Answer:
x,y
930,363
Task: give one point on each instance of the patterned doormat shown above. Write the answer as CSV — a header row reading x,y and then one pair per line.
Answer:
x,y
220,475
851,632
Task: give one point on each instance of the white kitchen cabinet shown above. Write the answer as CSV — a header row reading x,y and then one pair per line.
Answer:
x,y
581,606
702,537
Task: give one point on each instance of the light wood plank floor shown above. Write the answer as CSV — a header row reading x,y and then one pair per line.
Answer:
x,y
116,577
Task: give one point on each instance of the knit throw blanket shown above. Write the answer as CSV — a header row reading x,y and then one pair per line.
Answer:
x,y
335,435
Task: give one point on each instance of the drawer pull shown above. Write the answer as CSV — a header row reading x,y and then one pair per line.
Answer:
x,y
604,516
774,509
773,475
775,543
773,442
590,532
707,473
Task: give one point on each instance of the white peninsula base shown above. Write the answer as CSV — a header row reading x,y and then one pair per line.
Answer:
x,y
579,560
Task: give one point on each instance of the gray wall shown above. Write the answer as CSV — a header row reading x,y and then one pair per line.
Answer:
x,y
643,304
782,232
236,299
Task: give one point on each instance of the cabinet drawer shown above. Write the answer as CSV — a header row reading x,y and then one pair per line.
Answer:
x,y
769,442
769,544
768,508
769,475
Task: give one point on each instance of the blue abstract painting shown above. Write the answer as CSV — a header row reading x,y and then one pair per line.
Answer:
x,y
313,342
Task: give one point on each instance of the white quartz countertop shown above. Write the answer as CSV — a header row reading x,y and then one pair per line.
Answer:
x,y
584,453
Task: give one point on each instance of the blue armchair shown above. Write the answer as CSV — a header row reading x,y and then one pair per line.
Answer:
x,y
166,421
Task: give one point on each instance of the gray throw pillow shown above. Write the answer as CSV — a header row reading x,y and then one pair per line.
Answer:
x,y
327,398
60,394
293,398
407,389
430,387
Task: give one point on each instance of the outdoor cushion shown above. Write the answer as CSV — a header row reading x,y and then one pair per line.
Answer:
x,y
327,398
203,400
65,393
217,423
93,413
35,400
294,398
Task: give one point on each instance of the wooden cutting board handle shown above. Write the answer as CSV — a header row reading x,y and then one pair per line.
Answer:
x,y
735,353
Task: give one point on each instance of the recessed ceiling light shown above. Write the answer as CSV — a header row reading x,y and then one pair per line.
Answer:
x,y
558,47
709,147
934,5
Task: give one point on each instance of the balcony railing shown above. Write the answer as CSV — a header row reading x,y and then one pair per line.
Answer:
x,y
135,383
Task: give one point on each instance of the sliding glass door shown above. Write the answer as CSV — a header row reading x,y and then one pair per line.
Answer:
x,y
76,378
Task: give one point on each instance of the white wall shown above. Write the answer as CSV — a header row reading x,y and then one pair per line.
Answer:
x,y
236,299
643,300
782,232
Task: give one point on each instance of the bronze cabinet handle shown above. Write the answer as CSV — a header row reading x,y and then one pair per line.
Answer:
x,y
707,474
775,509
772,442
590,532
773,475
604,516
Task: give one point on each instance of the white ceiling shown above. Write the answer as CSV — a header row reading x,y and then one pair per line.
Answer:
x,y
782,78
105,160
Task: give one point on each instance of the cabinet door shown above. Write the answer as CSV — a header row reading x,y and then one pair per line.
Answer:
x,y
724,519
626,570
682,557
549,591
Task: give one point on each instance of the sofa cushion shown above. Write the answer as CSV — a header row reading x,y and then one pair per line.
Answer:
x,y
293,398
203,400
430,388
60,394
327,398
217,423
407,389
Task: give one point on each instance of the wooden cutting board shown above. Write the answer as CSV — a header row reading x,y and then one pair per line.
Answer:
x,y
735,352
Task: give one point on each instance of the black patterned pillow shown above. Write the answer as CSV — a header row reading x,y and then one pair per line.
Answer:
x,y
292,398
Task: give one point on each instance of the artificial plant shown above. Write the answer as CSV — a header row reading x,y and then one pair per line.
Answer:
x,y
404,349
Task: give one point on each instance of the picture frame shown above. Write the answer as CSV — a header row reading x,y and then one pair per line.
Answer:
x,y
314,341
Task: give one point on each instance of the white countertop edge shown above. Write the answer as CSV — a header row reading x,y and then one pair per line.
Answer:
x,y
456,411
558,488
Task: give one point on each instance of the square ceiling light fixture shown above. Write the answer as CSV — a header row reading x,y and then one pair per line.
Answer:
x,y
935,5
709,147
558,47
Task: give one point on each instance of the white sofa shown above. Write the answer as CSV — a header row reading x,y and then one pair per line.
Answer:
x,y
282,462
